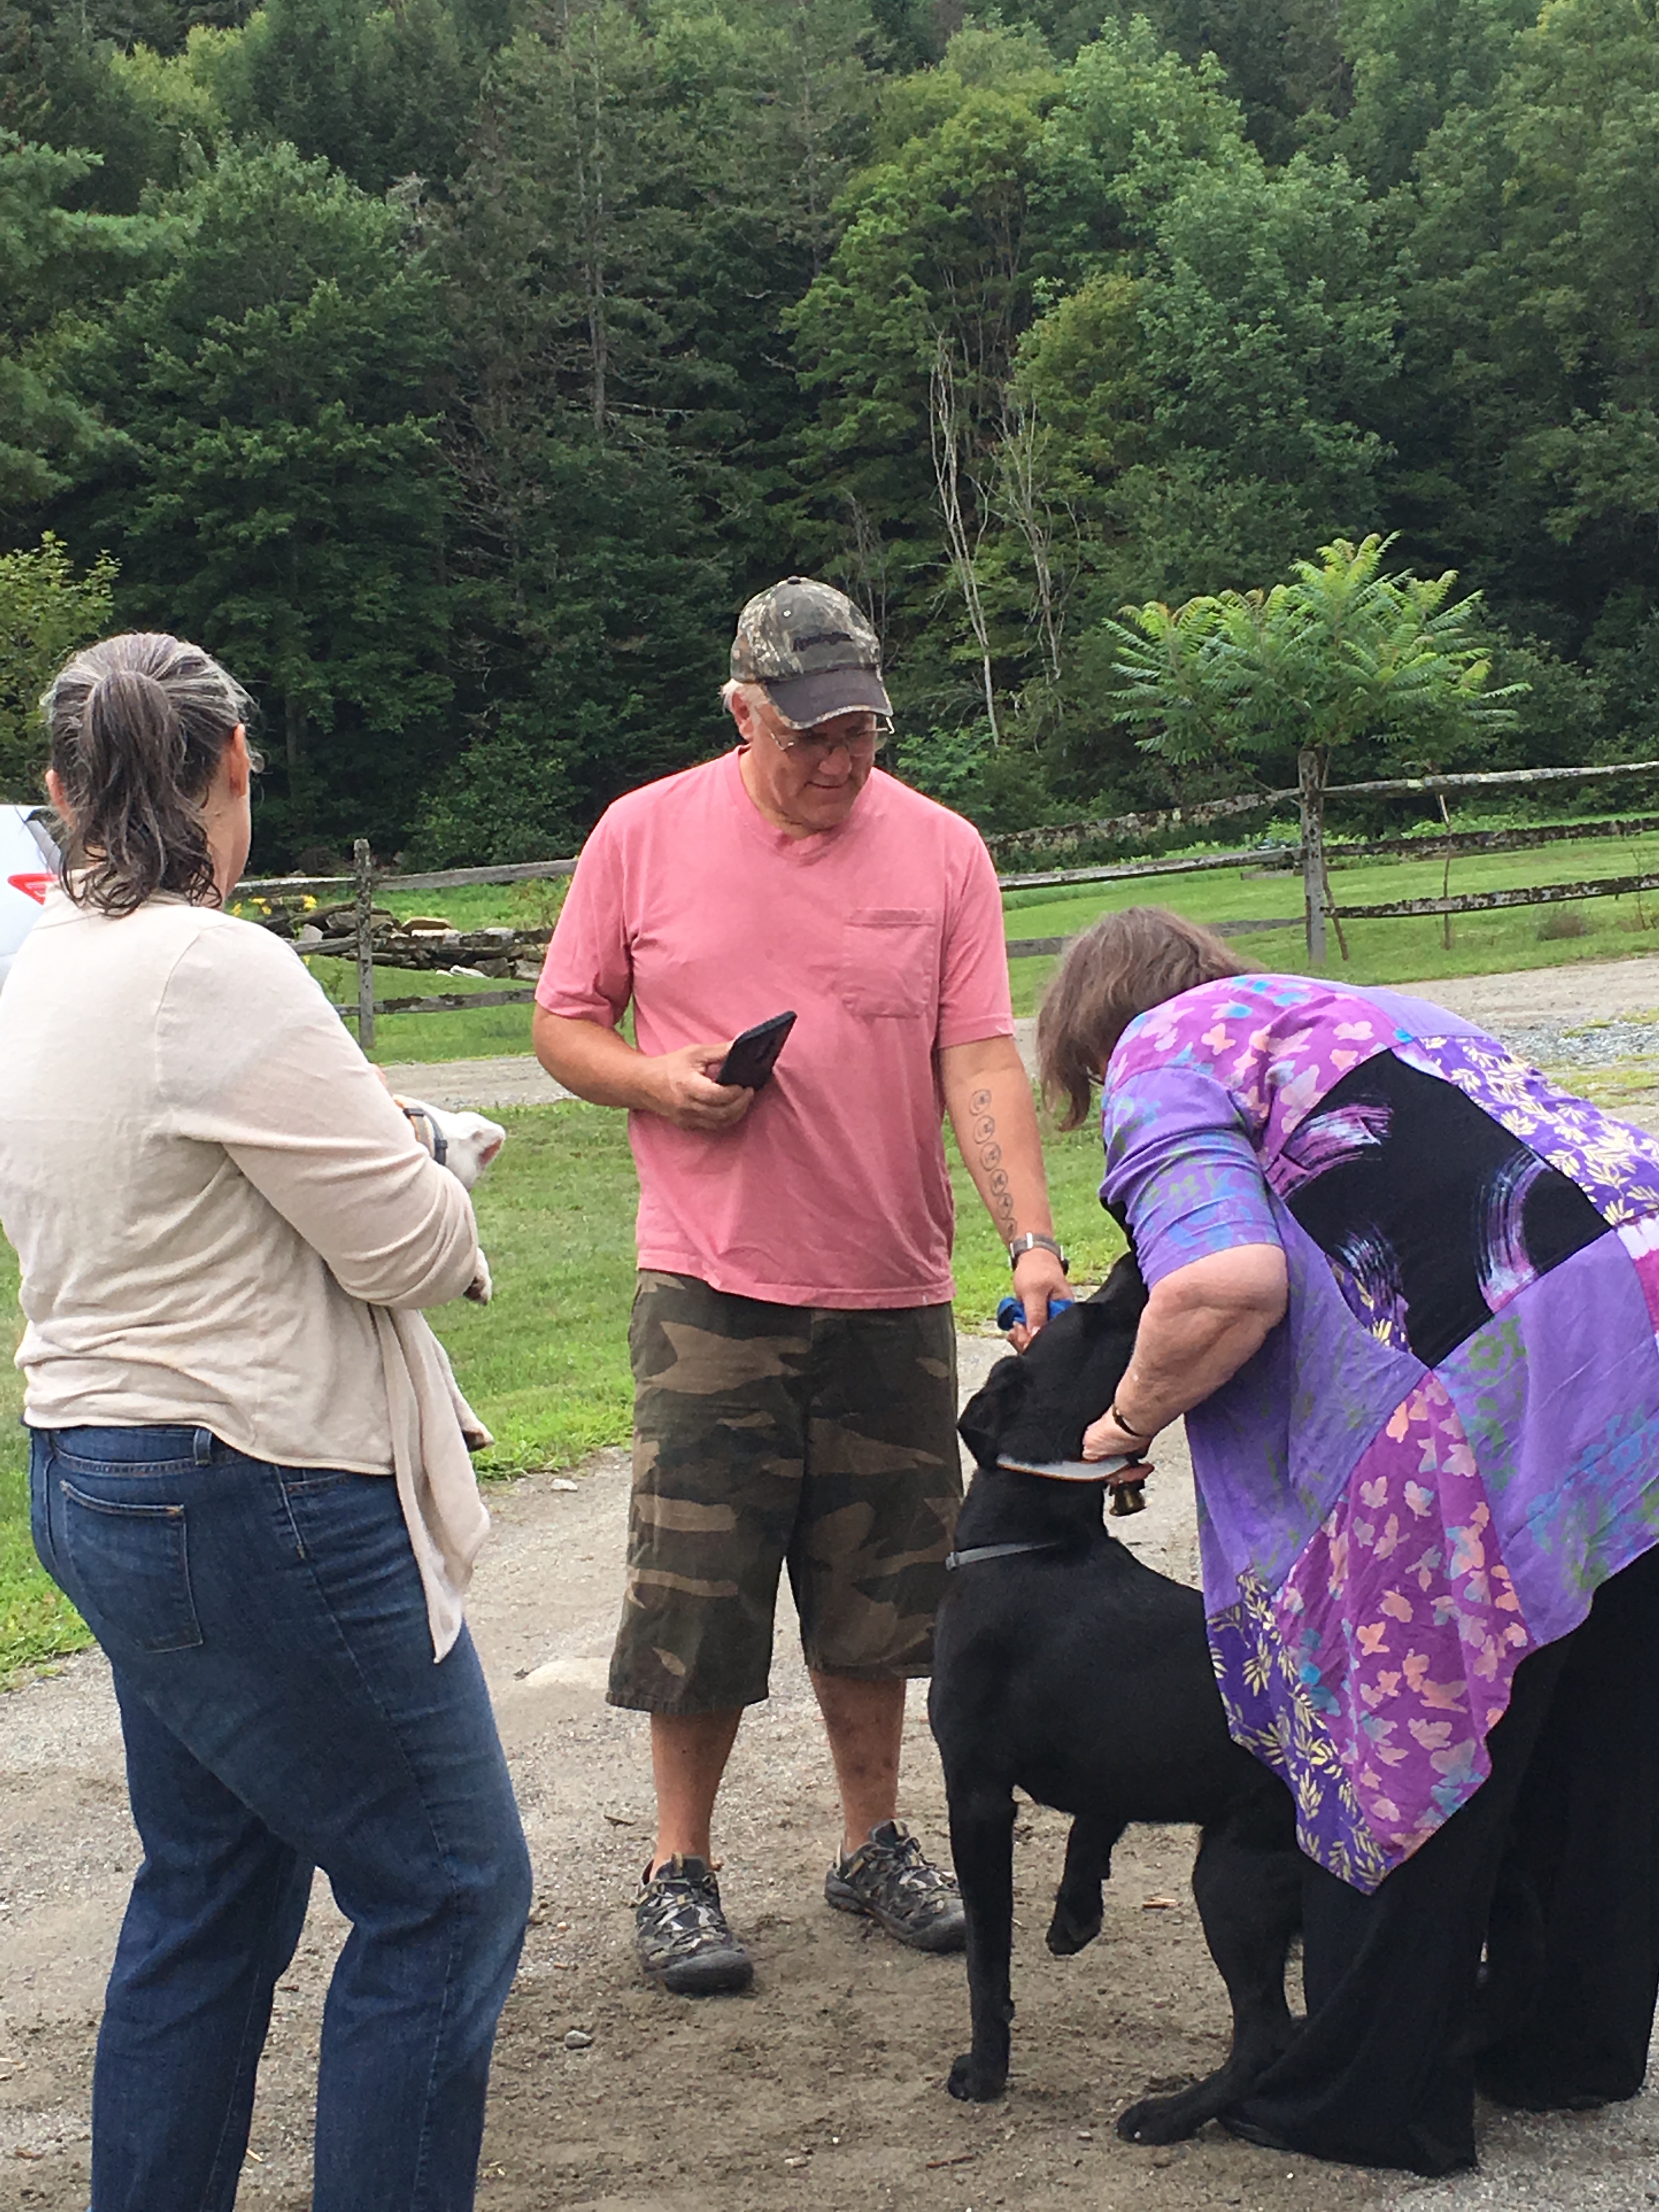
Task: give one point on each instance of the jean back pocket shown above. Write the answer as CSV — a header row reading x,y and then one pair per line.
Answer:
x,y
129,1567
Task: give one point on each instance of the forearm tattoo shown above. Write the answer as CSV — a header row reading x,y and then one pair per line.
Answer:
x,y
999,1191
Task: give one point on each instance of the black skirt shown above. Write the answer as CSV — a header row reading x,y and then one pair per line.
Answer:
x,y
1517,1951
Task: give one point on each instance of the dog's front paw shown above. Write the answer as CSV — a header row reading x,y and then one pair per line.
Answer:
x,y
1161,2120
1070,1933
971,2083
481,1290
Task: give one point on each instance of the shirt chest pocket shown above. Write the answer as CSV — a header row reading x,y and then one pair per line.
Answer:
x,y
890,962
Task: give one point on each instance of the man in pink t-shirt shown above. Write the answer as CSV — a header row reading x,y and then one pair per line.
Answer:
x,y
792,1342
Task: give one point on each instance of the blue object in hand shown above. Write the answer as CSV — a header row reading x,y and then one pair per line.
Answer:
x,y
1010,1309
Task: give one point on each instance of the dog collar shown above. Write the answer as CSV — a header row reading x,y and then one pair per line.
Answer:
x,y
1067,1470
440,1143
978,1552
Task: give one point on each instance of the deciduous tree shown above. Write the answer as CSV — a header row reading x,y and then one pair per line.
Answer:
x,y
1341,654
46,611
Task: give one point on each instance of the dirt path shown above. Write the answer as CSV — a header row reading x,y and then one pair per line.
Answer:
x,y
1582,991
821,2090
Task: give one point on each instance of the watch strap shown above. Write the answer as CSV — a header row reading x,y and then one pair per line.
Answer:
x,y
1034,1241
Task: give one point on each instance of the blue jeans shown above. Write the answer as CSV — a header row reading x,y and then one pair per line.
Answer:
x,y
267,1632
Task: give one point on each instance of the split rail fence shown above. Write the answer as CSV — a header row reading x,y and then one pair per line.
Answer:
x,y
355,929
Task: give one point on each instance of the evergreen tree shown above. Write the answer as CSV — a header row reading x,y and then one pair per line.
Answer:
x,y
52,260
637,212
382,93
273,487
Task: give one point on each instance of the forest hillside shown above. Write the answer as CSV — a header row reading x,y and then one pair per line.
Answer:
x,y
455,368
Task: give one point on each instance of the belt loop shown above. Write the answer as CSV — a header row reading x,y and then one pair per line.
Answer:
x,y
203,1442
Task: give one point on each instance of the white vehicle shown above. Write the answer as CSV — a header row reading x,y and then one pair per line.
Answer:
x,y
29,868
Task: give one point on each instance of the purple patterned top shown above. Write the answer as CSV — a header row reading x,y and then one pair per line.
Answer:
x,y
1453,1438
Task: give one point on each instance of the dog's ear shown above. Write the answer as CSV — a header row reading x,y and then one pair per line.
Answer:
x,y
1123,1294
990,1409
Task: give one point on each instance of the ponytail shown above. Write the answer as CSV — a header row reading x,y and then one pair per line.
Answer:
x,y
138,725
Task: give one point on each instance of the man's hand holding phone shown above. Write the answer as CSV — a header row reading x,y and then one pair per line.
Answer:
x,y
684,1089
712,1086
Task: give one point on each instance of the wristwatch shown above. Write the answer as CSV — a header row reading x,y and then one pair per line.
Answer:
x,y
1034,1241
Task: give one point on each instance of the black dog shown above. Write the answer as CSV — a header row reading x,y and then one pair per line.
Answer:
x,y
1066,1666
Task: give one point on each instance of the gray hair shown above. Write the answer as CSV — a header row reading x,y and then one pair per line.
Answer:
x,y
138,724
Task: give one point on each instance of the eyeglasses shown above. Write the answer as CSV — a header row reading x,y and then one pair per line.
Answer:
x,y
860,735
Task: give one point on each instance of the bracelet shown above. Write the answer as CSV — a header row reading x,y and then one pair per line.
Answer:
x,y
1034,1241
1141,1436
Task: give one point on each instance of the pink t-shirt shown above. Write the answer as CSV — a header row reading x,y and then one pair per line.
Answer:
x,y
884,935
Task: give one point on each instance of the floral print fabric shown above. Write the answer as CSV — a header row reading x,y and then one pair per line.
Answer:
x,y
1452,1440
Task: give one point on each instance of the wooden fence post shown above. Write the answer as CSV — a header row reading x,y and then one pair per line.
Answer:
x,y
1310,804
365,933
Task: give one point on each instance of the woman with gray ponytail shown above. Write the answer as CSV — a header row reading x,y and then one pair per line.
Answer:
x,y
250,1471
140,726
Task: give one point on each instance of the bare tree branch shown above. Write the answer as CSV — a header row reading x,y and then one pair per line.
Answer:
x,y
944,428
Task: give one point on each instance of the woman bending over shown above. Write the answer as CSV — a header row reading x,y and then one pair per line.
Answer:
x,y
1405,1292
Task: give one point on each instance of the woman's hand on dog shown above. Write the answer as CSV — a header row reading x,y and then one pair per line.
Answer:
x,y
1201,1323
1105,1439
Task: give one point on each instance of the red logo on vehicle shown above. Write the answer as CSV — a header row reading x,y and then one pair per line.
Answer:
x,y
34,887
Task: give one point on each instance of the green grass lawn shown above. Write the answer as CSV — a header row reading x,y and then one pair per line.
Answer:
x,y
35,1622
546,1362
1403,950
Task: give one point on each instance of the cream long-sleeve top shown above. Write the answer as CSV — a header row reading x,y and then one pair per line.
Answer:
x,y
222,1219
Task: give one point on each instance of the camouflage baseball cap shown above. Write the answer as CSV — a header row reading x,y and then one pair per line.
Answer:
x,y
813,651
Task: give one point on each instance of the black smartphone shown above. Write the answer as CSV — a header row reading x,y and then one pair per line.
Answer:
x,y
750,1060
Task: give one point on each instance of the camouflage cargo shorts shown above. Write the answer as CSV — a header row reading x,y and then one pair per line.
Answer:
x,y
768,1436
